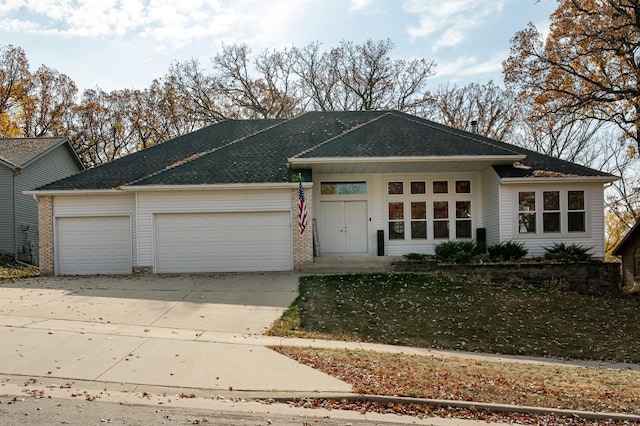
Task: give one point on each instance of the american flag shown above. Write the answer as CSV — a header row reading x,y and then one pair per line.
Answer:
x,y
302,209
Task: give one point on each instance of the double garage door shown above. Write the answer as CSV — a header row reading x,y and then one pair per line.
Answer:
x,y
222,242
183,243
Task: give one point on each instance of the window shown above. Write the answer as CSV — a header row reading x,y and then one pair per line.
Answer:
x,y
636,263
418,220
440,187
396,221
463,187
395,188
562,212
463,219
429,210
339,188
576,213
418,188
440,219
527,209
551,211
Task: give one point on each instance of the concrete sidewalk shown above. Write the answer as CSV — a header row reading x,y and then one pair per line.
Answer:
x,y
178,331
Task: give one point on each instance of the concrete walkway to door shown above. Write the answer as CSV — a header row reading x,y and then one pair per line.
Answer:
x,y
174,331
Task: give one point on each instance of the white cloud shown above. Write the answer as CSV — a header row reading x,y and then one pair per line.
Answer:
x,y
451,22
359,5
174,23
469,66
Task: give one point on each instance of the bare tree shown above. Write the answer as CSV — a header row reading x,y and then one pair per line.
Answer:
x,y
494,109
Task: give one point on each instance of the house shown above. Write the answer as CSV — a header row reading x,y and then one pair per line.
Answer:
x,y
629,251
28,163
225,197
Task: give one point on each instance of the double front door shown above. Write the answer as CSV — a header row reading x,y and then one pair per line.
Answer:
x,y
342,228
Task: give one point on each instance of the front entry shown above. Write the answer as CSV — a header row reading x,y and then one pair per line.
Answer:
x,y
342,228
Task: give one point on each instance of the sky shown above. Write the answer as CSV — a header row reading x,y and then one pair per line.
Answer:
x,y
125,44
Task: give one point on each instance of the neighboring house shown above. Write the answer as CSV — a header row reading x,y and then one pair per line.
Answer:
x,y
27,163
629,251
225,198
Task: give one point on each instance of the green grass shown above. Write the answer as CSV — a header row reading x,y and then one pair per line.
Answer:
x,y
10,269
435,311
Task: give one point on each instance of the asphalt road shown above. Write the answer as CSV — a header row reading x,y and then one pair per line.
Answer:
x,y
32,411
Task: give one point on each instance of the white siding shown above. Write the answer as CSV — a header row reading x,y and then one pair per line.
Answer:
x,y
491,205
6,210
594,206
220,201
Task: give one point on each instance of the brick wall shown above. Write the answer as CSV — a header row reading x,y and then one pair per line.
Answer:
x,y
45,231
302,243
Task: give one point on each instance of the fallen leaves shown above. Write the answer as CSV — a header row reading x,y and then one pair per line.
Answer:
x,y
459,379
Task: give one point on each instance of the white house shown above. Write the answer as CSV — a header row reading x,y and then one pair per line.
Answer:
x,y
225,198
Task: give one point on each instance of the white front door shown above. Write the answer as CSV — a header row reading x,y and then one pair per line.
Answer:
x,y
342,228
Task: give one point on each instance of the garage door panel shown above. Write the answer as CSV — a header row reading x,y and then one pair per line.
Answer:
x,y
223,242
93,245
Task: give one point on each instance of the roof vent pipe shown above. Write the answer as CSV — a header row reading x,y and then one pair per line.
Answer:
x,y
474,126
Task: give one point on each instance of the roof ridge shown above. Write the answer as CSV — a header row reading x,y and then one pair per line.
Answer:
x,y
197,155
351,129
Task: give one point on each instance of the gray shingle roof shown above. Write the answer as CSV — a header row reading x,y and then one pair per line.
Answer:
x,y
18,152
257,151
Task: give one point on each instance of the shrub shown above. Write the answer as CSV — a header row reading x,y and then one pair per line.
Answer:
x,y
571,253
414,257
508,250
455,251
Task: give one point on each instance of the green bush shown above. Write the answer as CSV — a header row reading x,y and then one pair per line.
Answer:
x,y
508,250
571,253
456,251
414,257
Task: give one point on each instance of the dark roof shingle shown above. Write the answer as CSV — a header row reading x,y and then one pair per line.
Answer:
x,y
257,151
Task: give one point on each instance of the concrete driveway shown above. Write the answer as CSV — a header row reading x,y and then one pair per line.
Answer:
x,y
175,331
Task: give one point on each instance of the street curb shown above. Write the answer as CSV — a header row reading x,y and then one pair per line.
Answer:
x,y
497,408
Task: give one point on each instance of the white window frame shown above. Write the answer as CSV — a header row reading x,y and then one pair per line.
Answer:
x,y
539,214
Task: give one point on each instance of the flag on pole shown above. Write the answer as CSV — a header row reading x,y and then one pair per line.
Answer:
x,y
302,209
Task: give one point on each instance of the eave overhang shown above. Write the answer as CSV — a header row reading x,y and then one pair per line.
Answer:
x,y
558,179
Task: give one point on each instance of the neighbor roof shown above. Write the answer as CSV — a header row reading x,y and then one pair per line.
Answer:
x,y
258,151
630,237
19,152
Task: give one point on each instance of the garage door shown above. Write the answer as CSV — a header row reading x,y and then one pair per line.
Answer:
x,y
223,242
93,245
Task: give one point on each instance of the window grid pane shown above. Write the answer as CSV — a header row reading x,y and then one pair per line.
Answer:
x,y
463,187
395,188
418,229
440,187
418,188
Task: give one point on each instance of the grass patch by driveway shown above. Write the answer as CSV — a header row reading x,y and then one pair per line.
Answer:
x,y
435,311
563,387
10,269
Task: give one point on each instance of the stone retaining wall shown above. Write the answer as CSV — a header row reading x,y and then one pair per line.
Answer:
x,y
587,277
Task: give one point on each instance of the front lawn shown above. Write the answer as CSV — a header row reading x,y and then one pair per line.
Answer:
x,y
10,269
435,311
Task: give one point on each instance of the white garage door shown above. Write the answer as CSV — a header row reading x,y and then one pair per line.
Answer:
x,y
93,245
223,242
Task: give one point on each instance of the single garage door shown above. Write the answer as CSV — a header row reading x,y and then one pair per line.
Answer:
x,y
93,245
223,242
